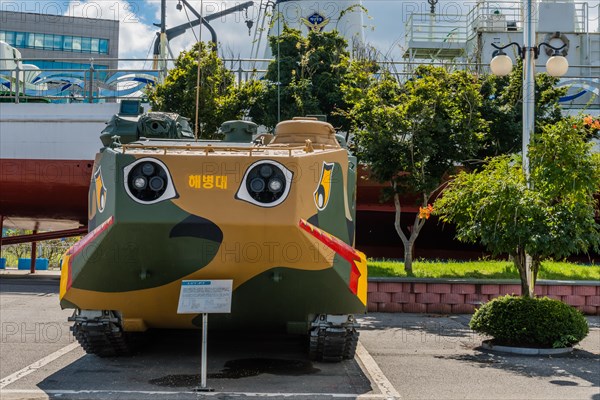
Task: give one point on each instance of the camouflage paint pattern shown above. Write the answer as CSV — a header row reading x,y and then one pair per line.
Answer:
x,y
288,262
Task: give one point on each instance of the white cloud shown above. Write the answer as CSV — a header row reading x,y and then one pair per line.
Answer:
x,y
231,30
135,36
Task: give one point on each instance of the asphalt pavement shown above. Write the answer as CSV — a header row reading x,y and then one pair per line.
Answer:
x,y
408,356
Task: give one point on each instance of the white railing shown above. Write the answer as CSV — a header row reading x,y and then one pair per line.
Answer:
x,y
506,15
111,85
490,16
446,28
96,84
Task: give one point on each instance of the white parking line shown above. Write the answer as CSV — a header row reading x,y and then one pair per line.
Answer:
x,y
39,392
4,382
377,376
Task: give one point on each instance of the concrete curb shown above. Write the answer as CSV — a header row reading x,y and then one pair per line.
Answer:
x,y
25,274
525,351
544,282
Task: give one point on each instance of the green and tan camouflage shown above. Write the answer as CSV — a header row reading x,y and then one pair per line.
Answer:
x,y
275,214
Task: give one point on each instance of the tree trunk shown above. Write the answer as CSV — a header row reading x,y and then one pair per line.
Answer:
x,y
535,268
408,261
520,260
408,243
408,255
403,238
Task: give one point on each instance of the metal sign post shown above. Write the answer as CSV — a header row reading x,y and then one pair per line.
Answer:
x,y
205,297
203,387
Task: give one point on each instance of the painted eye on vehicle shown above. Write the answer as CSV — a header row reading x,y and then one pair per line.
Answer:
x,y
148,181
266,184
323,191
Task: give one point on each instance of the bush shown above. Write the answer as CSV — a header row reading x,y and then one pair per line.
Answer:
x,y
530,322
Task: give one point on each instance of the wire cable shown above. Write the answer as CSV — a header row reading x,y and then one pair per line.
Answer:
x,y
190,23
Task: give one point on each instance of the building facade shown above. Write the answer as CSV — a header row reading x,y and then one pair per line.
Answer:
x,y
61,42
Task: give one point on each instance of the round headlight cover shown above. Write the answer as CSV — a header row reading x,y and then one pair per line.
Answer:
x,y
157,183
148,168
148,181
275,185
257,185
266,170
140,183
266,183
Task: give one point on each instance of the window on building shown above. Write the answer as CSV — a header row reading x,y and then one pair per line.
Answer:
x,y
48,41
76,43
103,46
86,45
30,40
20,39
39,40
58,42
54,42
95,45
9,37
68,43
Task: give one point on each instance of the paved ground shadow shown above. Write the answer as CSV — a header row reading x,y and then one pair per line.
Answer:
x,y
237,362
579,363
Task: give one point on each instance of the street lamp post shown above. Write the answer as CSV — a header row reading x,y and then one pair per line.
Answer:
x,y
528,107
501,64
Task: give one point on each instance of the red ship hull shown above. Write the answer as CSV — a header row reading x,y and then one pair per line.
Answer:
x,y
45,189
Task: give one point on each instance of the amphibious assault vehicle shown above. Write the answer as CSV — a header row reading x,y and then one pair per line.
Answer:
x,y
275,214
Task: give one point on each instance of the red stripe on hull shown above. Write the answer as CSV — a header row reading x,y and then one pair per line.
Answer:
x,y
78,247
346,251
53,189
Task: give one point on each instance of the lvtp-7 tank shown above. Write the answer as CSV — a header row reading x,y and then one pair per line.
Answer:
x,y
275,214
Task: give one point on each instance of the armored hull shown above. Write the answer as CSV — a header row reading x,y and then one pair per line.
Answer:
x,y
277,219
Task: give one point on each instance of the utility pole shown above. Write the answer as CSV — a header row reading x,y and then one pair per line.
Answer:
x,y
162,58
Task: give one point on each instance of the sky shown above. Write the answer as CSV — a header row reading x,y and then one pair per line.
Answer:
x,y
384,25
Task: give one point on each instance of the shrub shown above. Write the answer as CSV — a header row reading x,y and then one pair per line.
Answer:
x,y
533,322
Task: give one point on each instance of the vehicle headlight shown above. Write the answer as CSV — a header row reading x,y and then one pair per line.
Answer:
x,y
257,185
266,183
140,183
148,168
157,183
148,181
266,170
275,185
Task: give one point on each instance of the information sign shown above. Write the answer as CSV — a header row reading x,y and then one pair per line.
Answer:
x,y
212,296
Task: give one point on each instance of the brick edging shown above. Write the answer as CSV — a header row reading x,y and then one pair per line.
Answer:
x,y
462,296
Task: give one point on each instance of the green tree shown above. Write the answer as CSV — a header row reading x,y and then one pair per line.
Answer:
x,y
55,249
304,78
52,249
219,99
502,107
412,135
552,217
13,252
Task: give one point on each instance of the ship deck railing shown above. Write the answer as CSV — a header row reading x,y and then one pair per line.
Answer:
x,y
446,33
435,36
507,15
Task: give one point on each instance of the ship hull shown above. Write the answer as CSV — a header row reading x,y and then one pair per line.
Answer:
x,y
46,160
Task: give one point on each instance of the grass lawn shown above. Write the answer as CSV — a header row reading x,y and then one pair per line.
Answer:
x,y
482,270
